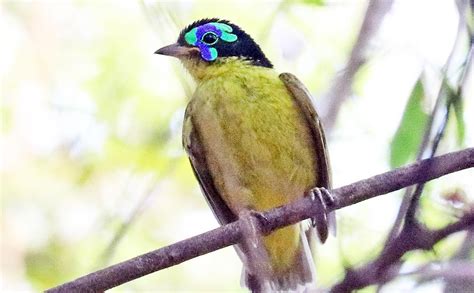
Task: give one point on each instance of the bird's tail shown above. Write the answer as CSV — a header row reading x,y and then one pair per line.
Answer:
x,y
299,276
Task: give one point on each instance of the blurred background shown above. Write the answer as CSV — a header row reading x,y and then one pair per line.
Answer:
x,y
92,168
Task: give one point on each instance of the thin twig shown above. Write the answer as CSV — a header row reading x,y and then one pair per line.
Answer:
x,y
462,255
444,95
412,237
451,270
410,217
386,265
230,234
342,84
410,199
125,225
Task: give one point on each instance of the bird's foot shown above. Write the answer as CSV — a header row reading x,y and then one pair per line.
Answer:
x,y
262,219
320,221
257,264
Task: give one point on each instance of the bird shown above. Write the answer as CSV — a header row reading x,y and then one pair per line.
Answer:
x,y
255,142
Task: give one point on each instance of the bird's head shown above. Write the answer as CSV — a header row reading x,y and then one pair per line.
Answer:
x,y
210,42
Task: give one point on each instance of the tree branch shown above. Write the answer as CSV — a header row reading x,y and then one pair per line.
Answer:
x,y
230,234
444,103
411,238
342,84
463,256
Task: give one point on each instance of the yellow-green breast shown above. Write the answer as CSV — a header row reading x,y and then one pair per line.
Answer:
x,y
257,143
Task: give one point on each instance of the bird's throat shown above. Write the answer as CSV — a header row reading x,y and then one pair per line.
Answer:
x,y
202,70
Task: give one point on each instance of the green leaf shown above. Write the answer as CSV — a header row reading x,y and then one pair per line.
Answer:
x,y
455,101
460,124
407,138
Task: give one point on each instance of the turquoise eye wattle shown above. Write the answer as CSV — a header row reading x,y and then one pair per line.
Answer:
x,y
207,35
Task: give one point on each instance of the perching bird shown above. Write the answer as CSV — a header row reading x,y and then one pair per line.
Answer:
x,y
254,141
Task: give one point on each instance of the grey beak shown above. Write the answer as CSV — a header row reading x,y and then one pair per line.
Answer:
x,y
176,50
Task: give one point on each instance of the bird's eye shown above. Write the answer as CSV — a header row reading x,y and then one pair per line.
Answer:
x,y
209,38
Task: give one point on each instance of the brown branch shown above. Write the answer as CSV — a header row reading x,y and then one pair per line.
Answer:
x,y
463,255
461,272
124,227
414,237
230,234
444,103
409,207
451,270
342,84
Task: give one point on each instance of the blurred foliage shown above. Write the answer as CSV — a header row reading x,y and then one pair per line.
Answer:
x,y
314,2
43,267
407,139
91,130
455,101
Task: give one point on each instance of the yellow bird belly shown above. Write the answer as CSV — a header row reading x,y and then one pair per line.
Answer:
x,y
258,148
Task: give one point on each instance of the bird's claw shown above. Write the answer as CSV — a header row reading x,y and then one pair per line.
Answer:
x,y
320,221
262,219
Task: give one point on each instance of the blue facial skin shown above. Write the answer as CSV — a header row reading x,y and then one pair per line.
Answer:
x,y
206,35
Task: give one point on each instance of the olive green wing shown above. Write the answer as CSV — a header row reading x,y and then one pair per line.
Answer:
x,y
197,157
303,99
